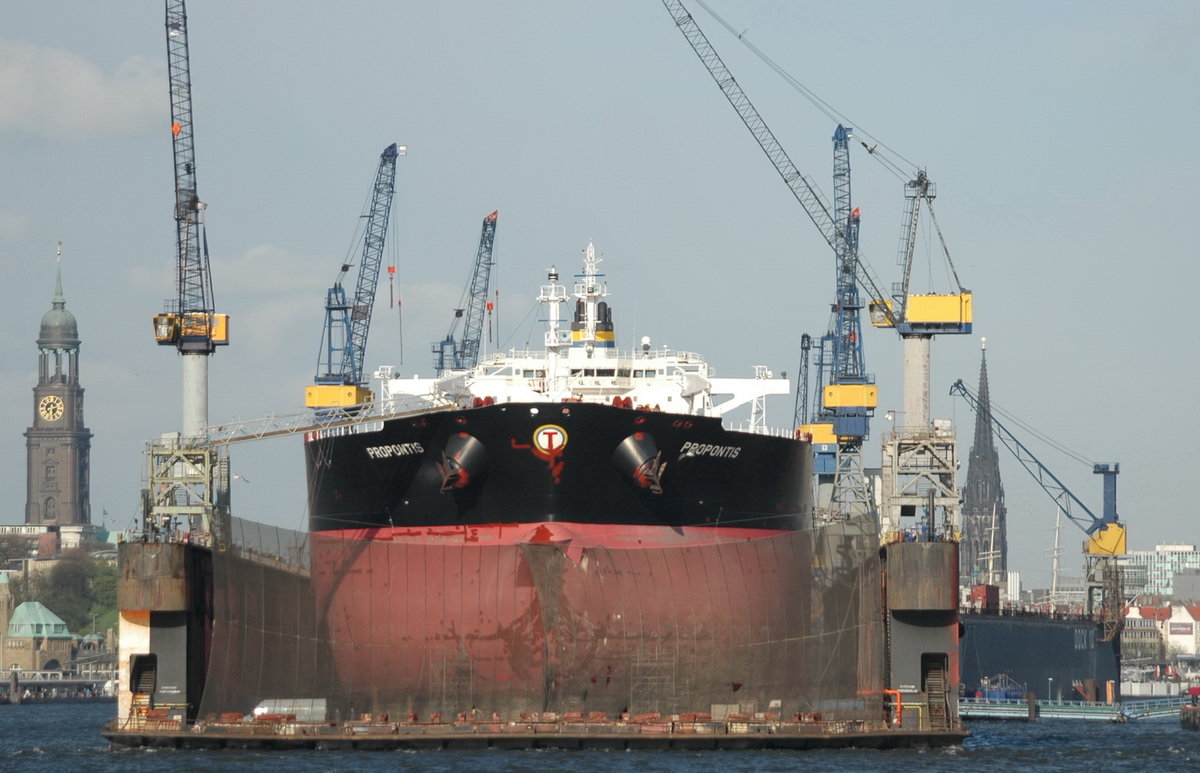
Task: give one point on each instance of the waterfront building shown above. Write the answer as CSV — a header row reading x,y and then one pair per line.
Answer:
x,y
37,639
1158,567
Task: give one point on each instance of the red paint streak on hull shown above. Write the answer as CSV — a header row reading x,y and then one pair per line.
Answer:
x,y
579,617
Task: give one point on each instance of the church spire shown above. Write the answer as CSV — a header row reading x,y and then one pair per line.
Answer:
x,y
58,301
983,418
984,547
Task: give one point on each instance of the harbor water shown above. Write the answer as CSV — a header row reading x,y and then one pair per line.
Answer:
x,y
64,736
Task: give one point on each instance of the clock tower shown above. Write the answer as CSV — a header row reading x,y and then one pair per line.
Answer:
x,y
58,444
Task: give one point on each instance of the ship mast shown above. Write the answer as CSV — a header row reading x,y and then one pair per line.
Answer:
x,y
554,296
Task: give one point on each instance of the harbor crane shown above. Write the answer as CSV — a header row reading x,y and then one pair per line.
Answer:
x,y
1106,538
915,317
340,381
188,322
849,399
921,316
189,481
449,354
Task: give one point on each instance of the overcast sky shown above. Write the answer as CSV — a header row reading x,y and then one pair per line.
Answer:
x,y
1059,136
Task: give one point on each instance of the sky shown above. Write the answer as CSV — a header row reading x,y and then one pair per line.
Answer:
x,y
1058,135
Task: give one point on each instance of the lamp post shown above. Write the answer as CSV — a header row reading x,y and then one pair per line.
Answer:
x,y
1049,689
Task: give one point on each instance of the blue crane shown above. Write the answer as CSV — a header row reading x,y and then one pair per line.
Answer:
x,y
340,380
1106,534
449,354
852,401
848,361
1049,482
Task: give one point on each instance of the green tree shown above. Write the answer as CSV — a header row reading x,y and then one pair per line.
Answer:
x,y
14,547
104,593
67,589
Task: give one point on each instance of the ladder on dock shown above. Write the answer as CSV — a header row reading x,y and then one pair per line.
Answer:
x,y
935,695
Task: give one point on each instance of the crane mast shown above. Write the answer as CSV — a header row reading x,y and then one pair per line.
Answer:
x,y
460,355
188,322
339,380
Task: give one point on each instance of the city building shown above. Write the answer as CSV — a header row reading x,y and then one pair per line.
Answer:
x,y
1155,570
37,639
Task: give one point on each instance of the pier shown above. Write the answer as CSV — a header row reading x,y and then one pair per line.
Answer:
x,y
1030,709
281,732
33,685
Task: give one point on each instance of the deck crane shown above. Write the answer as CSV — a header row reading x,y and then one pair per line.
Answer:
x,y
188,322
340,381
1106,537
449,354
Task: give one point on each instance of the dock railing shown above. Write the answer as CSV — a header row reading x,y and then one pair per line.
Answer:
x,y
1025,708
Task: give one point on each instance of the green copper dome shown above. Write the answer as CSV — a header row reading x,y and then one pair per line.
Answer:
x,y
59,329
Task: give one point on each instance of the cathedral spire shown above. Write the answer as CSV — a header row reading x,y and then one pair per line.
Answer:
x,y
984,548
983,417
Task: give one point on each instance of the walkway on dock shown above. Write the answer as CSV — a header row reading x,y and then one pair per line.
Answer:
x,y
1028,709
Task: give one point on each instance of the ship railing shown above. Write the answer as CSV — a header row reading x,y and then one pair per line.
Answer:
x,y
1009,611
915,534
937,429
664,353
242,430
751,429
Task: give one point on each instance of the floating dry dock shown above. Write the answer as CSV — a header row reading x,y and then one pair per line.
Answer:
x,y
545,732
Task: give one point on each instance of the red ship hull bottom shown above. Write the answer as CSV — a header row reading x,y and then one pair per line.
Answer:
x,y
511,619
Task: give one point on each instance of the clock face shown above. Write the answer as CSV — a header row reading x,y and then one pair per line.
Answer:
x,y
51,407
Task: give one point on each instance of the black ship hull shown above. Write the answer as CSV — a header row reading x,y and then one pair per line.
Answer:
x,y
1051,657
544,462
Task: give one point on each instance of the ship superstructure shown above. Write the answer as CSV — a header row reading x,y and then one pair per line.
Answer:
x,y
581,362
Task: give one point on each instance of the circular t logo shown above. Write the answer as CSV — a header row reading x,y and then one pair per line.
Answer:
x,y
549,438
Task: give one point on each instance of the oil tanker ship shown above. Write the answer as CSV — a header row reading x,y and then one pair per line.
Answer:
x,y
574,529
